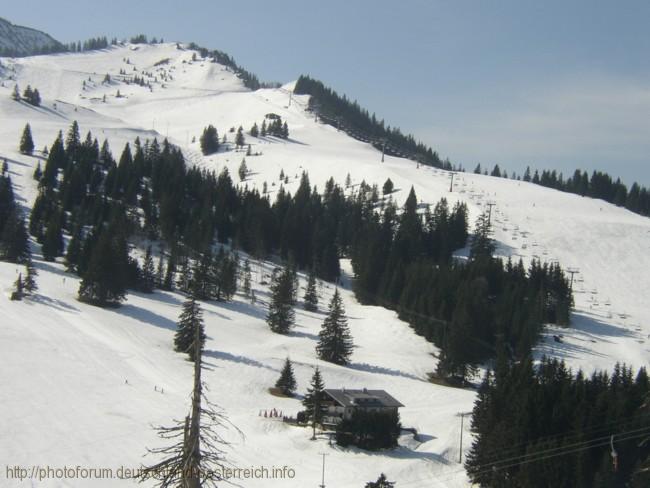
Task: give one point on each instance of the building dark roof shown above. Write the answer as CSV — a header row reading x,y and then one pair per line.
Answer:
x,y
362,398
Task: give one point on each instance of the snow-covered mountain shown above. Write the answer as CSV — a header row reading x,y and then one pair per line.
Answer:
x,y
21,41
81,385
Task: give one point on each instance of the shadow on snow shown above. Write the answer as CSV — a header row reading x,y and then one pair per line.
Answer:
x,y
226,356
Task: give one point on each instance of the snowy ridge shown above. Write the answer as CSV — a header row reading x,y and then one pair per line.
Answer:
x,y
23,40
81,385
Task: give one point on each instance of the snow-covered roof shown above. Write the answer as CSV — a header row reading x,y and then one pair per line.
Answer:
x,y
363,398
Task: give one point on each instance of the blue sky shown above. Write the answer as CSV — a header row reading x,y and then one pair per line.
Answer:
x,y
553,84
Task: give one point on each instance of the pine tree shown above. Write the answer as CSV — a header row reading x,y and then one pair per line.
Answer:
x,y
36,98
30,275
27,94
33,97
14,243
482,243
26,141
382,482
294,282
73,140
536,177
272,128
287,381
388,187
230,275
246,285
73,252
281,315
209,140
335,342
240,140
7,200
263,130
185,276
87,245
254,132
42,207
310,297
160,270
15,95
313,400
53,238
243,170
148,272
223,276
189,320
168,281
203,281
104,281
56,161
38,172
17,293
106,157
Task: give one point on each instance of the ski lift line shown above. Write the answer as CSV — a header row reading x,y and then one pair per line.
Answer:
x,y
394,308
391,150
490,467
605,438
563,453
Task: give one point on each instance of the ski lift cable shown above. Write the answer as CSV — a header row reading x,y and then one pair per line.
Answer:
x,y
385,143
490,467
600,440
562,453
609,426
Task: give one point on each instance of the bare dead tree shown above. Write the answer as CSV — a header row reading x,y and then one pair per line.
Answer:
x,y
197,456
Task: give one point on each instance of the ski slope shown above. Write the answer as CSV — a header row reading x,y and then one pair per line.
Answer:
x,y
83,386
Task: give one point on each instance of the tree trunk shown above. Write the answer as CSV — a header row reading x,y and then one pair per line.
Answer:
x,y
192,475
